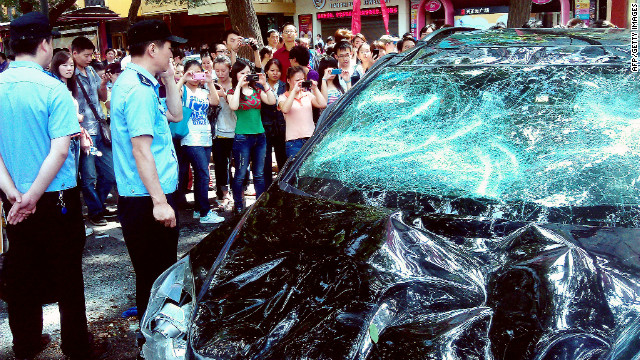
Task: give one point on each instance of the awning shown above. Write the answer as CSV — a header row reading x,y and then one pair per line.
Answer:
x,y
89,13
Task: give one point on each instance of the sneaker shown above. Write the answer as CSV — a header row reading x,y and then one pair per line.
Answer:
x,y
196,214
109,213
88,231
211,218
98,220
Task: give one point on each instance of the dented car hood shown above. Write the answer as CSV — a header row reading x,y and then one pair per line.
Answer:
x,y
307,278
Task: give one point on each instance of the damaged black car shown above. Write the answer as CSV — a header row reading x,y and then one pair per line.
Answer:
x,y
475,198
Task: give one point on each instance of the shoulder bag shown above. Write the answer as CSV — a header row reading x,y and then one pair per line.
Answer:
x,y
105,129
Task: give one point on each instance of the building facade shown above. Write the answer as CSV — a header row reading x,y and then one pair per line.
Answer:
x,y
326,16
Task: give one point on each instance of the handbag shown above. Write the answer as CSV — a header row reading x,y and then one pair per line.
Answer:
x,y
105,129
181,129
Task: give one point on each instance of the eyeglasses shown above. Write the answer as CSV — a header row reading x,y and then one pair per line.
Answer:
x,y
344,56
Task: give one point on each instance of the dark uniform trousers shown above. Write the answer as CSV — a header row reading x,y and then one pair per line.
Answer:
x,y
152,247
44,264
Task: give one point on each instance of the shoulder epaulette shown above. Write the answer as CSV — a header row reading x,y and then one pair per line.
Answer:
x,y
144,80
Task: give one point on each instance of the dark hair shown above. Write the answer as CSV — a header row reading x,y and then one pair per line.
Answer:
x,y
177,52
140,48
81,43
342,45
58,59
222,59
97,65
238,66
205,53
27,46
271,31
330,38
288,24
325,63
113,68
264,51
404,40
3,56
330,50
226,34
426,28
301,54
294,70
191,63
110,49
271,62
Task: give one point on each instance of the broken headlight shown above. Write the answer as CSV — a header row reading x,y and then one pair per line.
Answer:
x,y
171,304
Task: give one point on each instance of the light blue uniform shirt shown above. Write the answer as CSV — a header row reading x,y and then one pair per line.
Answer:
x,y
35,107
136,110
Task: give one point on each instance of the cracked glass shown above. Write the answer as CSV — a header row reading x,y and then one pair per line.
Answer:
x,y
544,136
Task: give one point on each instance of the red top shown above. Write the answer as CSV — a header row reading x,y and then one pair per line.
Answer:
x,y
282,55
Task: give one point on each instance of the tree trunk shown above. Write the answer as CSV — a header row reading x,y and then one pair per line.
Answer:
x,y
133,11
519,13
244,20
57,10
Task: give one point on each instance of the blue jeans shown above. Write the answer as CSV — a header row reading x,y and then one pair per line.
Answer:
x,y
248,148
97,176
293,146
199,158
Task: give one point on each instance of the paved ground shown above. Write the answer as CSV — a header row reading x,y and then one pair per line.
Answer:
x,y
109,290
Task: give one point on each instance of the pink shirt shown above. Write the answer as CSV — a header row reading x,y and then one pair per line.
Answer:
x,y
299,119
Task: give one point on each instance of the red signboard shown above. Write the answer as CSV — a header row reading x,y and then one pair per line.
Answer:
x,y
541,2
432,6
305,24
348,13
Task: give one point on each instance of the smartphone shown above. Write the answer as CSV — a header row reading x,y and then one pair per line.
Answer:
x,y
306,85
336,71
253,77
375,53
198,76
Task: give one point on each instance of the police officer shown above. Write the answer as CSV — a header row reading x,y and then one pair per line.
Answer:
x,y
144,157
38,178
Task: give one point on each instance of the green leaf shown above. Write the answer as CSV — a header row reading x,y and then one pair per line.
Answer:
x,y
373,332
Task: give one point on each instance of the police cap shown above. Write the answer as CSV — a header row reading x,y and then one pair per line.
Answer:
x,y
151,30
31,26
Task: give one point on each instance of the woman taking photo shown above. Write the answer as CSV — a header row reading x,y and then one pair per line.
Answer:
x,y
330,83
197,143
273,122
249,144
297,106
224,132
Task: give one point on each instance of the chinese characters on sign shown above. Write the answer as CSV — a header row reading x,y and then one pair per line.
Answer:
x,y
347,14
476,11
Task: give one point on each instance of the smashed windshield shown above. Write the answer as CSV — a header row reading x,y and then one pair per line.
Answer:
x,y
554,136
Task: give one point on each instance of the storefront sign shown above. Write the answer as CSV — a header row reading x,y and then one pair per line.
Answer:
x,y
305,24
582,10
483,10
415,4
347,14
433,6
342,4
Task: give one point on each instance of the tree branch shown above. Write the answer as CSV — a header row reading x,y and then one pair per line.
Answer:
x,y
58,9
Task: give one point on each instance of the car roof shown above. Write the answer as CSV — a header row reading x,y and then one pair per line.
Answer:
x,y
541,37
466,46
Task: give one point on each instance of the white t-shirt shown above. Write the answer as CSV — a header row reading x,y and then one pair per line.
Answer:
x,y
199,127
